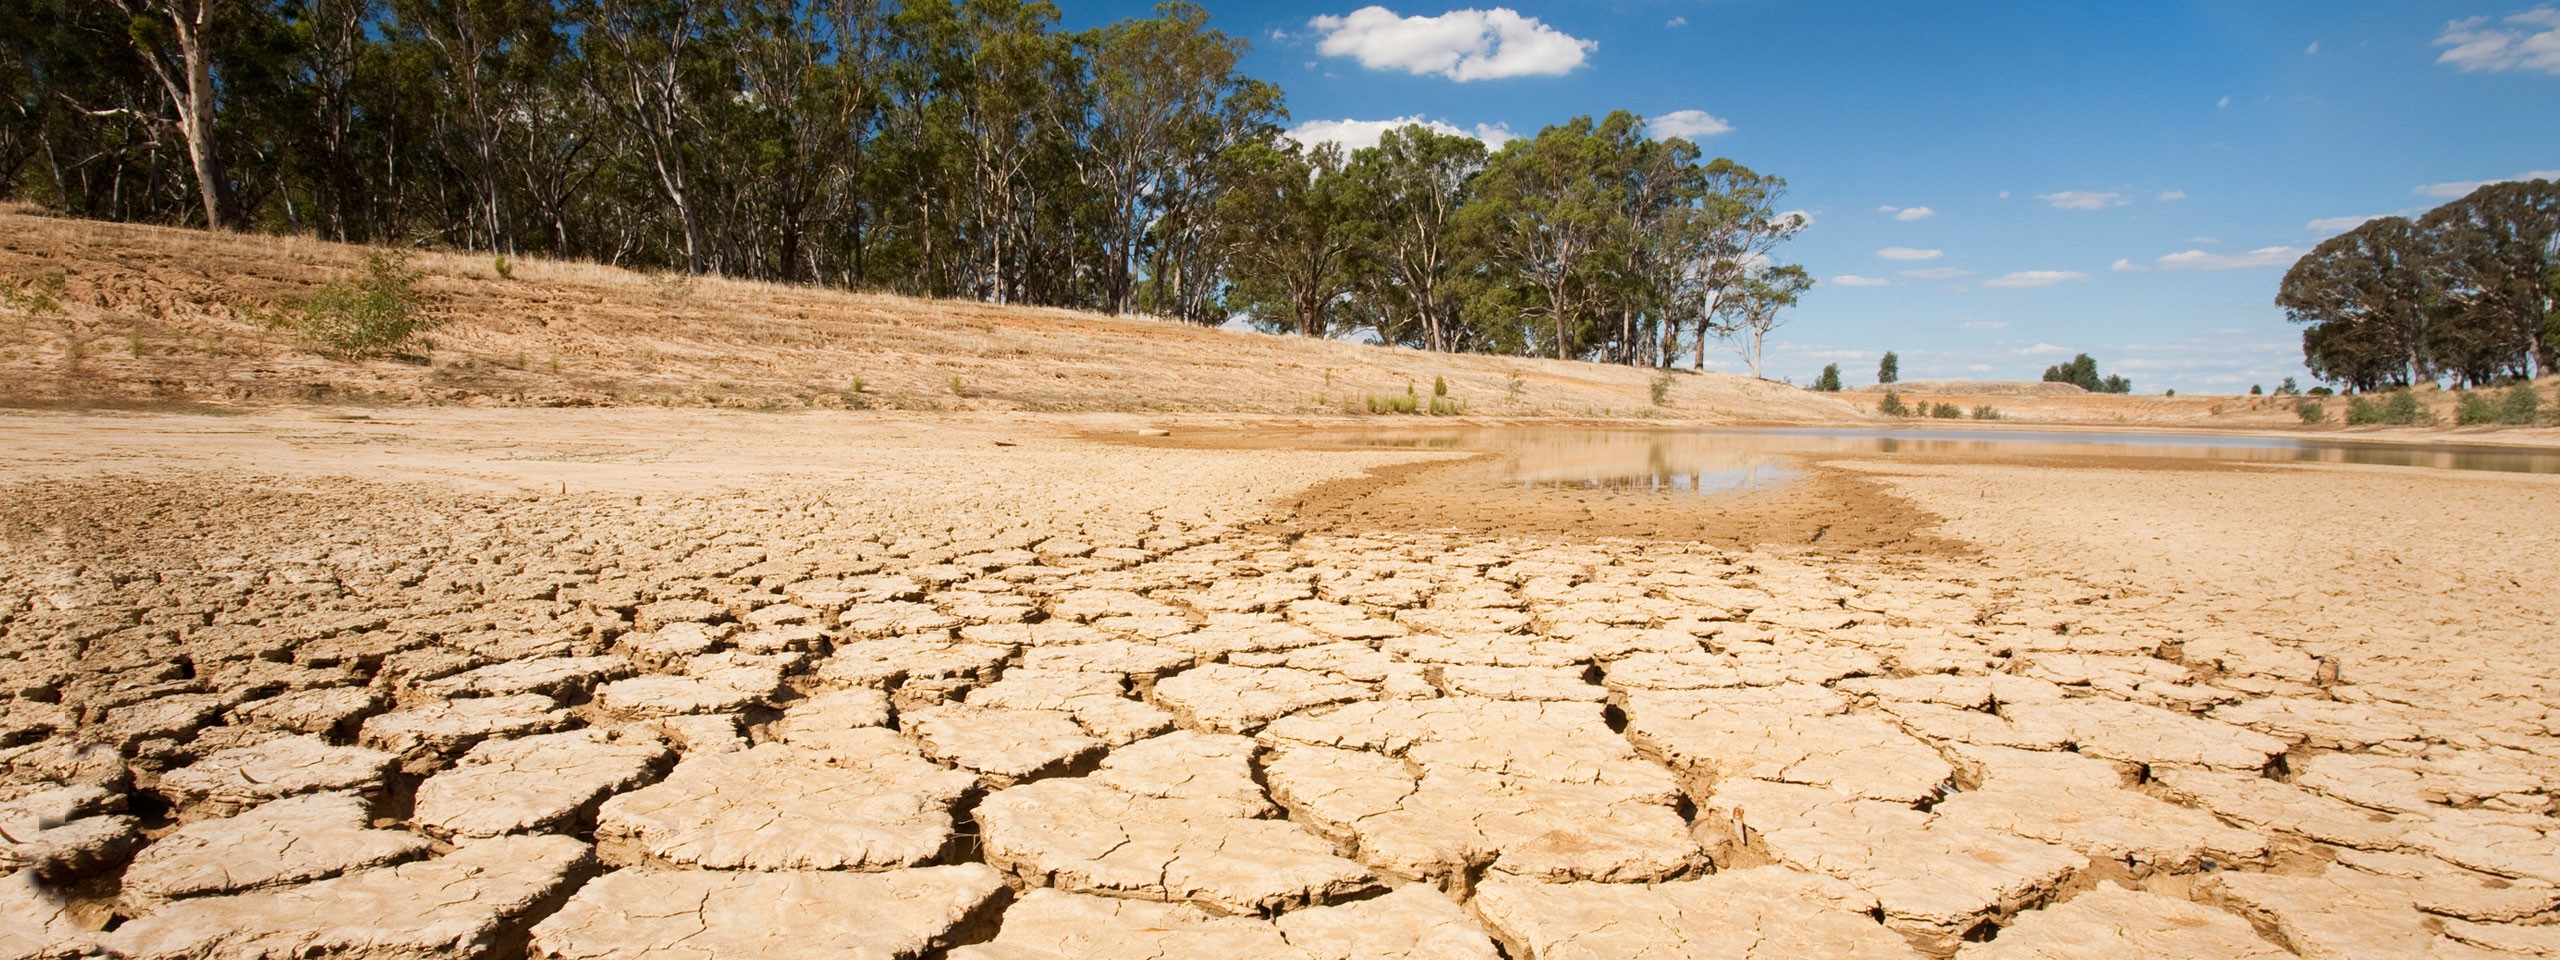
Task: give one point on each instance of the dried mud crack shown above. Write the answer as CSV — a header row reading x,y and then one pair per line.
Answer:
x,y
1045,704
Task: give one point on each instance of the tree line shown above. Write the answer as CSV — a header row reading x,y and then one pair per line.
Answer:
x,y
2467,292
944,148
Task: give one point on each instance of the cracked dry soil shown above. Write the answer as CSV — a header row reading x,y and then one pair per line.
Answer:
x,y
741,686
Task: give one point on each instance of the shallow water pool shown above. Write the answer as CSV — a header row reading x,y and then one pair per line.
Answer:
x,y
1726,460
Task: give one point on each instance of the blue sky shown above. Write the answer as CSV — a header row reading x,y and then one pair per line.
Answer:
x,y
2066,147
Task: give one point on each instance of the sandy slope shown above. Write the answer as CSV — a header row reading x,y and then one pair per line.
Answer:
x,y
168,315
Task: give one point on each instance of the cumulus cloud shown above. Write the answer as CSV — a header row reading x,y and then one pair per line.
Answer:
x,y
2167,196
2455,188
1676,22
1461,45
1906,214
1933,273
2030,279
1854,280
1908,253
2523,41
2125,266
1362,134
1803,219
2201,260
2340,224
2083,200
1688,125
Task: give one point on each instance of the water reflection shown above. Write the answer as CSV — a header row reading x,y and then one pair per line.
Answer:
x,y
1713,461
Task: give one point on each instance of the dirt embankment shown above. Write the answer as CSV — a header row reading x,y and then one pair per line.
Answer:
x,y
158,315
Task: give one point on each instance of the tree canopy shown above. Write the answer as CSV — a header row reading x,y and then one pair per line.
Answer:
x,y
947,148
2469,292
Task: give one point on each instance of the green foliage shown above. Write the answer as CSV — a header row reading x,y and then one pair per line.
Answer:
x,y
1829,380
377,313
2399,408
506,268
1447,406
957,388
1661,388
1985,412
1946,411
2520,405
1889,370
1439,386
2517,405
1892,405
2255,390
1394,403
2310,411
43,298
2288,388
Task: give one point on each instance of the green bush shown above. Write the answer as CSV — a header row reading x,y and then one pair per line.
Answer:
x,y
1393,403
1662,389
1439,386
2399,409
2311,411
1984,412
1892,405
2520,405
1946,411
2472,408
1447,406
379,313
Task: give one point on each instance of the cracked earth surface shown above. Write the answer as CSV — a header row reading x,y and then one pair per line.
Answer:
x,y
990,689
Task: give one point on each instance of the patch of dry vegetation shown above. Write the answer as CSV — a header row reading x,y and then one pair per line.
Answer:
x,y
164,315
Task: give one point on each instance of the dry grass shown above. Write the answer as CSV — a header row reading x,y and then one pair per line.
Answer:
x,y
169,315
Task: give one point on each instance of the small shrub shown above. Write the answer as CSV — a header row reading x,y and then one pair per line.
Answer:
x,y
2399,409
2473,408
1512,387
854,385
506,268
1393,403
1984,412
672,285
1946,411
1439,386
2172,393
2311,411
2288,388
2520,405
133,343
376,314
2321,391
1661,388
39,299
1447,407
956,389
2254,390
1892,405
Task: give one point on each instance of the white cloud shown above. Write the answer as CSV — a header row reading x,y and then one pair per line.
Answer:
x,y
1362,134
1688,125
2455,188
2224,102
1461,45
1854,280
1906,214
2030,279
2312,49
2041,349
2528,41
1933,273
2168,196
2340,224
1977,368
1803,219
2004,194
2201,260
1908,253
2125,266
1676,22
2203,241
1983,325
2083,200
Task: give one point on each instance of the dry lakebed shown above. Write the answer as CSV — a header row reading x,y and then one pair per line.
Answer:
x,y
436,682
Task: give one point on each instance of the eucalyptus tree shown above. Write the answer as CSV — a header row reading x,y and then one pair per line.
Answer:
x,y
490,58
1757,305
1412,185
1742,226
647,64
2496,257
1167,100
179,41
2377,280
1289,224
1544,212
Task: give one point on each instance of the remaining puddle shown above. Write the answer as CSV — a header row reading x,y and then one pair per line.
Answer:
x,y
1715,461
